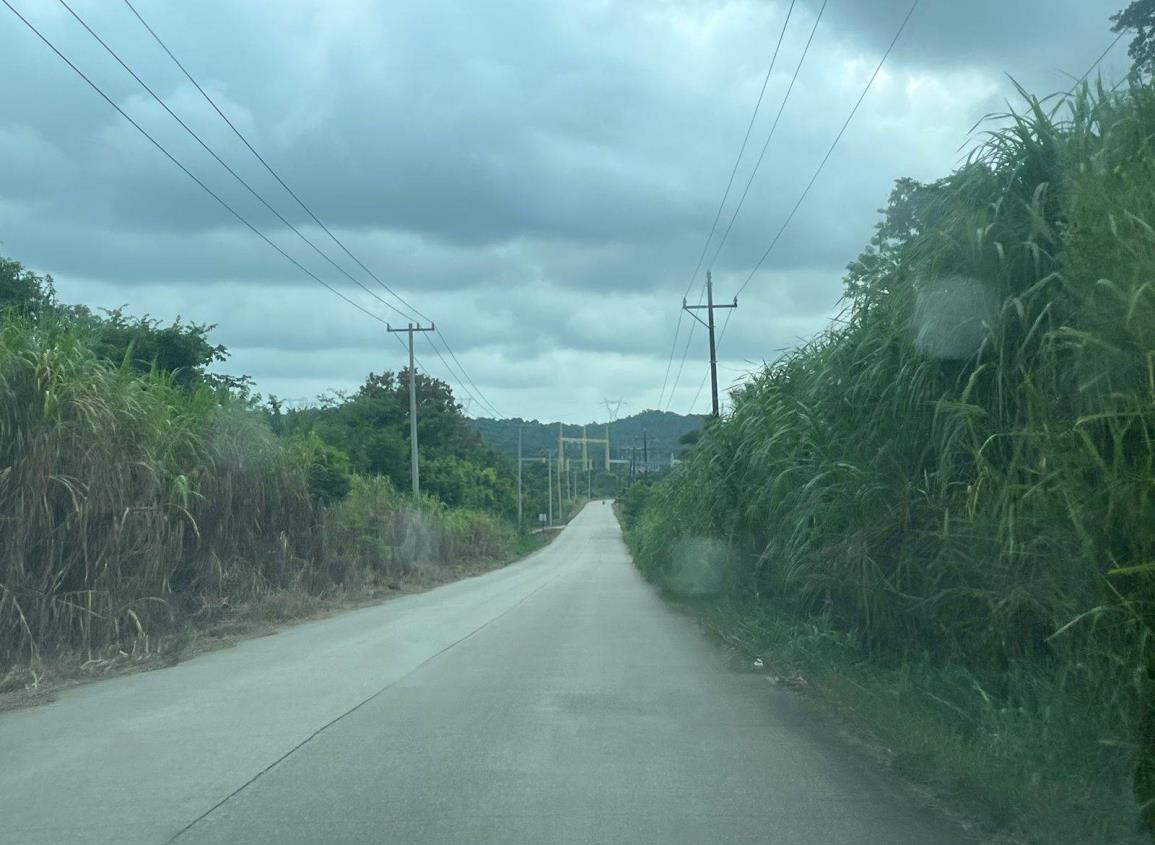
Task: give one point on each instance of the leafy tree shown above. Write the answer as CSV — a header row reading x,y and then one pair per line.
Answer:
x,y
913,209
180,349
371,426
23,290
1139,17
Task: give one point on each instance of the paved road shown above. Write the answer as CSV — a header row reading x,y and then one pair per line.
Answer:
x,y
557,700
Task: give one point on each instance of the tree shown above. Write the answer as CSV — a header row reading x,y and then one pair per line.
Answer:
x,y
23,290
180,349
1139,17
371,426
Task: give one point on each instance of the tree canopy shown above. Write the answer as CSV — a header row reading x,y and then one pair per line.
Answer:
x,y
1139,17
371,427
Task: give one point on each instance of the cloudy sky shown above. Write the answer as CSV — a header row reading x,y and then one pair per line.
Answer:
x,y
537,176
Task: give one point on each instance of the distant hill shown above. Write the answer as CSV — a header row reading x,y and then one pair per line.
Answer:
x,y
659,430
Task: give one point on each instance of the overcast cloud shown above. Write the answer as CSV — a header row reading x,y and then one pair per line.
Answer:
x,y
538,177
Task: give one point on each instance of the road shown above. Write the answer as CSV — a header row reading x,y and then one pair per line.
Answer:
x,y
557,700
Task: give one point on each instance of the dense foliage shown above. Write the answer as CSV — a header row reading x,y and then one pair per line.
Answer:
x,y
138,490
1139,18
371,429
962,468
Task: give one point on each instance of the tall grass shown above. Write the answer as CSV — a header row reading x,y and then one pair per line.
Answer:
x,y
963,467
128,502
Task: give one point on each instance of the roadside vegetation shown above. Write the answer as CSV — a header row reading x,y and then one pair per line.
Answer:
x,y
143,497
942,508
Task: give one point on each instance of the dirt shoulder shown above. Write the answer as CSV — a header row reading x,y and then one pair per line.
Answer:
x,y
41,681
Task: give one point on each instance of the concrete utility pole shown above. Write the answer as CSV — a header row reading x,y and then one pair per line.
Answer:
x,y
413,468
519,476
709,308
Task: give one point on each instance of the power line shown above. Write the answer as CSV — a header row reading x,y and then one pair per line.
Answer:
x,y
830,151
413,310
685,353
750,181
221,161
773,127
822,163
463,373
482,401
197,180
266,165
279,180
850,117
725,196
842,131
185,170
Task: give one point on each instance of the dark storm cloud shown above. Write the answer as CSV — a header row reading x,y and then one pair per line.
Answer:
x,y
1019,37
537,176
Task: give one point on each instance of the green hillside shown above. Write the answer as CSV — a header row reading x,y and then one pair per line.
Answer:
x,y
657,431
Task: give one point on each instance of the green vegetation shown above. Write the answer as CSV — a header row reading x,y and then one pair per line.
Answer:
x,y
948,497
141,494
369,434
662,431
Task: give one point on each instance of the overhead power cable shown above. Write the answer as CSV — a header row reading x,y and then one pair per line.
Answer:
x,y
822,164
685,352
726,195
842,131
746,191
243,220
833,145
240,179
769,136
415,313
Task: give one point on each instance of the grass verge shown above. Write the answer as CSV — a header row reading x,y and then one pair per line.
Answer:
x,y
1032,763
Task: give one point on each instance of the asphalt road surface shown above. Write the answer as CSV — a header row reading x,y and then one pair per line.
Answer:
x,y
558,700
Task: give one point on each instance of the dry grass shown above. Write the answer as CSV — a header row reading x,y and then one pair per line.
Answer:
x,y
26,685
133,510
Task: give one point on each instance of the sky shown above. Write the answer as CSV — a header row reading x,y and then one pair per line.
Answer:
x,y
537,177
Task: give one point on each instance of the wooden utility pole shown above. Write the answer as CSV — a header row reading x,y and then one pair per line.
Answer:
x,y
709,308
413,468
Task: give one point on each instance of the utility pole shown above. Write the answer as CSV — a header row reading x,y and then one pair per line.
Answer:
x,y
645,452
709,308
413,468
519,476
549,485
557,477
